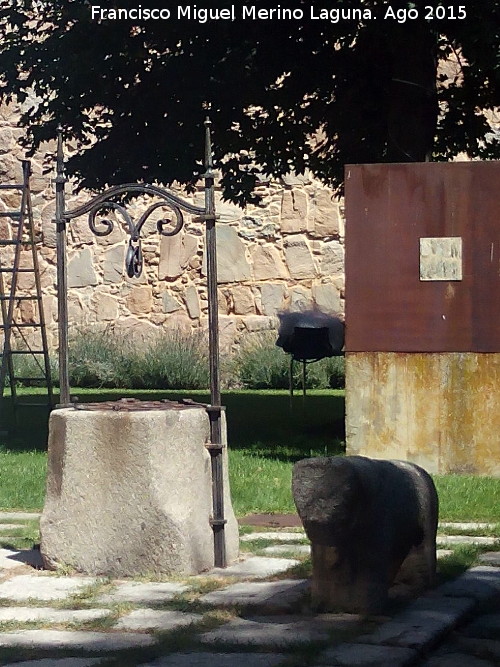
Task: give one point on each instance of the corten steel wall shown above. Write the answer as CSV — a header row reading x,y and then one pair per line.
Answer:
x,y
423,357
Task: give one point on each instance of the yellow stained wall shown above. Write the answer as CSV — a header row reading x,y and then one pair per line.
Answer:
x,y
439,410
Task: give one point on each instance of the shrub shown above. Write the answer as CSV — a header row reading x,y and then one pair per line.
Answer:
x,y
260,364
176,360
100,358
328,373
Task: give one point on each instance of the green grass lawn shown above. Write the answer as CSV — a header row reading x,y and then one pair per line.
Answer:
x,y
266,436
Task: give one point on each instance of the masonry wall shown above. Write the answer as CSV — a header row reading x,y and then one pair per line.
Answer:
x,y
285,253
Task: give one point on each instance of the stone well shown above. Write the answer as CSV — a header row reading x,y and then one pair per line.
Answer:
x,y
129,492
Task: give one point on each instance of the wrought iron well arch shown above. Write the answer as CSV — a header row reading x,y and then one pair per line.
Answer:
x,y
133,261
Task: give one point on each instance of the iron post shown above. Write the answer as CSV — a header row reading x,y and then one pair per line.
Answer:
x,y
216,450
62,273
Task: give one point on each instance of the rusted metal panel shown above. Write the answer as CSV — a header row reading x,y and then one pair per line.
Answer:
x,y
439,410
389,208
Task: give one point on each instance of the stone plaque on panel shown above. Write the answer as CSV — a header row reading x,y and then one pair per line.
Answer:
x,y
441,258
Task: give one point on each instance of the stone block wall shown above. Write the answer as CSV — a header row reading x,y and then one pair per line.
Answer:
x,y
284,253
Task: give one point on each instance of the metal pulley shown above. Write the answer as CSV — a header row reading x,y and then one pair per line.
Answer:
x,y
133,260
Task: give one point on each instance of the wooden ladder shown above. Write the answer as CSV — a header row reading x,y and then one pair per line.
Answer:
x,y
22,340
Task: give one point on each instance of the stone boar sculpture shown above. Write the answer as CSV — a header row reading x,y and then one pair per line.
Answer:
x,y
371,523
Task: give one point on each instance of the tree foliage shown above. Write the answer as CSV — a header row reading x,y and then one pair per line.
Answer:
x,y
284,94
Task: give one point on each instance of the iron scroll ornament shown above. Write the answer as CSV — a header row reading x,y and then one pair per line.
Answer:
x,y
133,258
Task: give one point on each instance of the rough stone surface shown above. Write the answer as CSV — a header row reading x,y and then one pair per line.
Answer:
x,y
422,624
81,271
300,299
363,655
26,586
243,301
206,659
332,259
466,525
5,527
279,631
259,323
142,592
490,558
465,539
232,264
114,264
50,615
288,549
456,660
58,662
140,299
268,264
275,536
256,567
89,641
298,257
154,619
371,523
28,516
272,296
192,301
486,647
170,304
327,298
134,514
106,308
293,211
274,595
326,214
481,583
175,254
486,626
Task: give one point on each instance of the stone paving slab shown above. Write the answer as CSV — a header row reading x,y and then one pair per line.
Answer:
x,y
254,567
27,614
19,515
274,595
456,660
30,586
142,592
66,639
481,583
12,558
275,631
205,659
154,619
461,525
485,648
421,625
486,626
275,537
365,655
5,527
293,549
490,558
466,539
58,662
442,553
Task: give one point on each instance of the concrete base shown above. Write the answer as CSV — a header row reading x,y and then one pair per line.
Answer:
x,y
130,493
441,411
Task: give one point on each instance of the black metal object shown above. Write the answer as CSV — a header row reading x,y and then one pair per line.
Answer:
x,y
112,199
306,344
309,336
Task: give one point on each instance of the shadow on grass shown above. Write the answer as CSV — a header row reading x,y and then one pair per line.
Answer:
x,y
266,423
